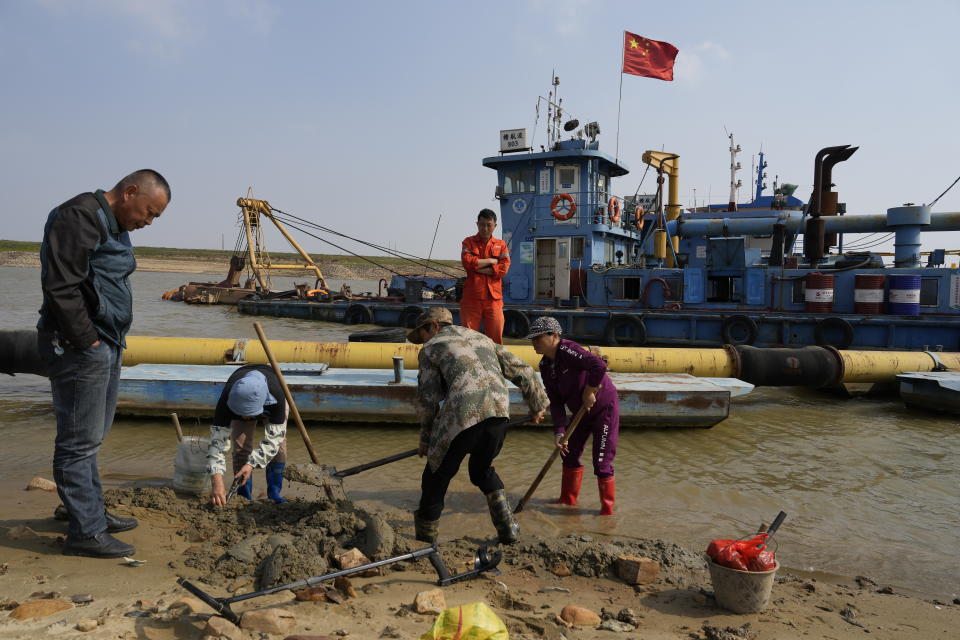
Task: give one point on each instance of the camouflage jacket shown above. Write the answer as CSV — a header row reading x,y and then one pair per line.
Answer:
x,y
462,382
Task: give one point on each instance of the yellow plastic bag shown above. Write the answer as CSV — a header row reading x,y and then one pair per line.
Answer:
x,y
473,621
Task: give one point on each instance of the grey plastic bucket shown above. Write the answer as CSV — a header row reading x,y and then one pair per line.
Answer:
x,y
741,591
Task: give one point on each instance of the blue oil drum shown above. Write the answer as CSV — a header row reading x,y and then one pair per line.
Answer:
x,y
904,297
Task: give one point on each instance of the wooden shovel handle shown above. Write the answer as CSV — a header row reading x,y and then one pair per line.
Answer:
x,y
550,460
286,393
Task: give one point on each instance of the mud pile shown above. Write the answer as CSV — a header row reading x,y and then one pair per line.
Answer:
x,y
270,544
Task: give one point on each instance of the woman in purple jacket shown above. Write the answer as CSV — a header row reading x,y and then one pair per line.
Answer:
x,y
574,377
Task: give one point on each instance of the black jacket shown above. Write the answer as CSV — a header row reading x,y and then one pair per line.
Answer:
x,y
85,264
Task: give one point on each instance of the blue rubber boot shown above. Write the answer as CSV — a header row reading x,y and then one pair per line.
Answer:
x,y
246,489
275,481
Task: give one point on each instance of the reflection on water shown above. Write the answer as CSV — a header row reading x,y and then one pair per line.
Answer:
x,y
869,487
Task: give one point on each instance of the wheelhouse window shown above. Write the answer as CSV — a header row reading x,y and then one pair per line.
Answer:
x,y
929,289
520,181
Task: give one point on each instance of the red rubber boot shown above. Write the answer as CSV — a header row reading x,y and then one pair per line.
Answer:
x,y
607,494
570,486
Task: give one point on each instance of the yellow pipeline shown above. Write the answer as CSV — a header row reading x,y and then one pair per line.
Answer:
x,y
377,355
883,366
859,366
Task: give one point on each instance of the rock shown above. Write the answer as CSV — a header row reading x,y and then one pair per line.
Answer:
x,y
246,550
344,586
380,536
629,616
561,570
40,608
355,558
4,567
312,594
390,631
221,628
636,570
57,628
22,532
276,620
616,625
8,605
41,484
579,616
299,637
86,624
240,585
81,598
189,606
148,605
887,590
432,601
700,599
371,588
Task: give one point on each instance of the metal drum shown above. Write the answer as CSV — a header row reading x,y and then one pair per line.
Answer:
x,y
819,293
868,293
904,296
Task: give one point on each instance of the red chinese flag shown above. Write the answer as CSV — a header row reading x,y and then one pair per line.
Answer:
x,y
645,57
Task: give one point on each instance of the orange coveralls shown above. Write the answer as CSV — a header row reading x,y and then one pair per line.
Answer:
x,y
483,294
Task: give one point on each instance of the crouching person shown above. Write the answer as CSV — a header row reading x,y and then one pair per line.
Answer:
x,y
464,406
252,392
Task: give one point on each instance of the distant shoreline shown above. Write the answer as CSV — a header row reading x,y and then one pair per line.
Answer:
x,y
334,267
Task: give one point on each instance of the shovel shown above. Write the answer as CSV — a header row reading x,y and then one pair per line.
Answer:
x,y
328,478
485,560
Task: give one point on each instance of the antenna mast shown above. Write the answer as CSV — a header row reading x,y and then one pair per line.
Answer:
x,y
734,167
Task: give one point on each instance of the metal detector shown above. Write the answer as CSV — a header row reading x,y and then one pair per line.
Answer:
x,y
485,560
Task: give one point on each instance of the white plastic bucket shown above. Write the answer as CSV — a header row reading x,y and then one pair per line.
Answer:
x,y
190,465
741,591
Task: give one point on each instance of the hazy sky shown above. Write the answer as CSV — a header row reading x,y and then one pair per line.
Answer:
x,y
372,117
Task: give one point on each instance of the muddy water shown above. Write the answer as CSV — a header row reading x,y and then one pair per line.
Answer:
x,y
870,488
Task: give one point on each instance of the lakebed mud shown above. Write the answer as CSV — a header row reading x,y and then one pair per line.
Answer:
x,y
249,545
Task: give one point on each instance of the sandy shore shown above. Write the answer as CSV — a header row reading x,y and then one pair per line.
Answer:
x,y
248,545
330,267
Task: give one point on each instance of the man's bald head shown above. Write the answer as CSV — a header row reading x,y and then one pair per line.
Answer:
x,y
139,198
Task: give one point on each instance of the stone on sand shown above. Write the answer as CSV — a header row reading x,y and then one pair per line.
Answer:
x,y
432,601
41,484
86,624
40,608
579,616
276,620
636,570
221,629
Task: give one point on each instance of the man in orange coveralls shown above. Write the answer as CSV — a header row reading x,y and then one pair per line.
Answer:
x,y
486,260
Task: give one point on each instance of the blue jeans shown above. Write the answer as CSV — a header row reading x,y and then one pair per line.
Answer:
x,y
84,385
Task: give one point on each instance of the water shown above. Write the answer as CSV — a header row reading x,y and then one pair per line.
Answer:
x,y
869,487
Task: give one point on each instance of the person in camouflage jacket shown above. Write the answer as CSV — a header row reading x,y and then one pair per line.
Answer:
x,y
463,406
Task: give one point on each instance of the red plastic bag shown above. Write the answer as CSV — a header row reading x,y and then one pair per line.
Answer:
x,y
742,555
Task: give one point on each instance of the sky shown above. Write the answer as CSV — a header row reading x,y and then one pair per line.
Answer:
x,y
372,118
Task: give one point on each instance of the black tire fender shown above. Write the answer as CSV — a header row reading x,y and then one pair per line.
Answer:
x,y
622,321
358,314
832,325
739,323
516,324
409,316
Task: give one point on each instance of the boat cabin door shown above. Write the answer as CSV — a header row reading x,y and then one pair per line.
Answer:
x,y
552,265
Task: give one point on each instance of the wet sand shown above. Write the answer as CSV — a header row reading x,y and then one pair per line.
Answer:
x,y
231,550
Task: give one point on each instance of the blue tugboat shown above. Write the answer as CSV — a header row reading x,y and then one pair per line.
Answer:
x,y
637,270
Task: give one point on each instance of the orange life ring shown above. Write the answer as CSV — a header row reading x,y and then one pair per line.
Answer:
x,y
570,209
615,209
638,215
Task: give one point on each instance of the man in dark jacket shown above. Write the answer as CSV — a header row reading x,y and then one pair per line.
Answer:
x,y
85,264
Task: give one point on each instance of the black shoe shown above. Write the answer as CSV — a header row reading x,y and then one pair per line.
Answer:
x,y
115,524
103,545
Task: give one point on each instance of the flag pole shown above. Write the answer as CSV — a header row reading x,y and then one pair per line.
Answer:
x,y
620,98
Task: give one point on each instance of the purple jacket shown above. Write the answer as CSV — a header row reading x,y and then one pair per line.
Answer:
x,y
565,378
